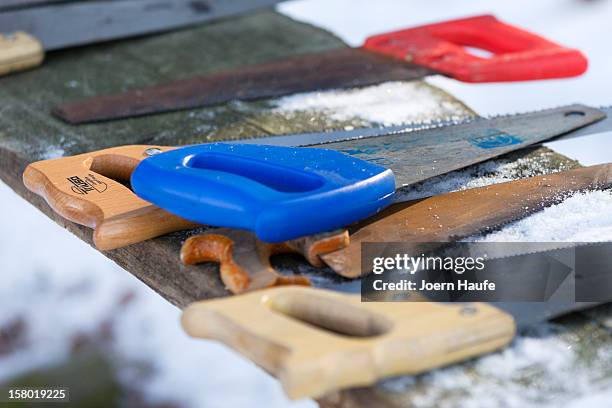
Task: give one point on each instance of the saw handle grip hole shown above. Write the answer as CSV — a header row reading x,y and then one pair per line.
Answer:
x,y
575,113
479,52
331,315
274,176
115,167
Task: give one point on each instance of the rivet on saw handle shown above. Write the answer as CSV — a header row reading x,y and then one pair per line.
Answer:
x,y
245,260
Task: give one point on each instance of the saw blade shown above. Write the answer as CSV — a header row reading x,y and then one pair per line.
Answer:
x,y
462,214
589,274
527,313
415,155
69,24
337,68
340,135
602,126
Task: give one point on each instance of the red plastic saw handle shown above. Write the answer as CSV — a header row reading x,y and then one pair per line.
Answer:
x,y
518,55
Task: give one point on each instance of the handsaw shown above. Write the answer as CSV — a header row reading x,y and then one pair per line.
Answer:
x,y
402,55
283,193
92,189
26,33
316,341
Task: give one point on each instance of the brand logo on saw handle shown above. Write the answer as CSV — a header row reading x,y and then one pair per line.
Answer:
x,y
89,184
494,138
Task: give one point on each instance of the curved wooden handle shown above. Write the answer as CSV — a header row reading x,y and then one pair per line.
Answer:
x,y
91,189
317,341
19,51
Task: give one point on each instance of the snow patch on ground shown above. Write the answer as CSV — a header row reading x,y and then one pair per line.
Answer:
x,y
513,375
192,372
391,103
598,399
62,291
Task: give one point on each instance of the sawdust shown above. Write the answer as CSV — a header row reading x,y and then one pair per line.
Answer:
x,y
68,293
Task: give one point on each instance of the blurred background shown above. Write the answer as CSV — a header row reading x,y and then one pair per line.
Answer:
x,y
66,310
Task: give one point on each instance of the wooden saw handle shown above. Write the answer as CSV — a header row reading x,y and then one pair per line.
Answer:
x,y
19,51
244,260
316,341
89,189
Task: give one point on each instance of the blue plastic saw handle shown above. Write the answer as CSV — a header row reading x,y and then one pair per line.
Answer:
x,y
280,193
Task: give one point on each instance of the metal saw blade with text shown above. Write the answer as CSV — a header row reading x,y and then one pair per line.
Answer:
x,y
415,155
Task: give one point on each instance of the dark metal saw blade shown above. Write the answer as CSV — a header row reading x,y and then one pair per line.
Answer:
x,y
415,156
338,68
591,276
340,135
69,24
527,314
602,126
592,284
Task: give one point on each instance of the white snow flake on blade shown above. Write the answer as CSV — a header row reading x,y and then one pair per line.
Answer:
x,y
391,103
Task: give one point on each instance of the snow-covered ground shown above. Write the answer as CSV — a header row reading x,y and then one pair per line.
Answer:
x,y
62,290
